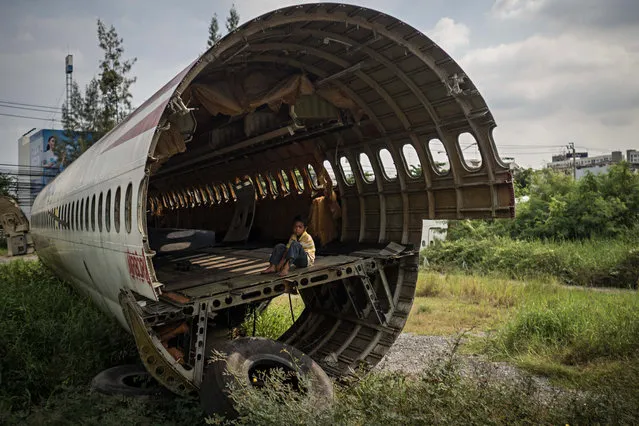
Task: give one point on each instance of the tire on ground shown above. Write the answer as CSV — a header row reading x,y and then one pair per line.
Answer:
x,y
121,380
242,356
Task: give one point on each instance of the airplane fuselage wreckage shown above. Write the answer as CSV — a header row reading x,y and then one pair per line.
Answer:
x,y
336,112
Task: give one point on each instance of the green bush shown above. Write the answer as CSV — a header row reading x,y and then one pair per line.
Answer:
x,y
560,208
576,328
439,395
50,336
613,263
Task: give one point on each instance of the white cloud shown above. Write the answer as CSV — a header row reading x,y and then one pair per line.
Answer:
x,y
516,8
449,34
551,89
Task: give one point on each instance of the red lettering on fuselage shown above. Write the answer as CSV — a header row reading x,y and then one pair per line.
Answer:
x,y
137,267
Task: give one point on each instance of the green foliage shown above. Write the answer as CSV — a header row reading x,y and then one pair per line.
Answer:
x,y
275,319
233,19
50,336
106,100
8,185
114,83
613,263
605,206
575,328
439,395
214,34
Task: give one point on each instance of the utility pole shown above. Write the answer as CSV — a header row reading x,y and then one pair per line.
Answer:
x,y
68,71
571,146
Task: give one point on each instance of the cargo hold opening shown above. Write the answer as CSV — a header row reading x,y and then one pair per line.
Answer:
x,y
232,173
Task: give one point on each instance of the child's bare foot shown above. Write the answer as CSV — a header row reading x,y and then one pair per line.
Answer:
x,y
269,270
284,270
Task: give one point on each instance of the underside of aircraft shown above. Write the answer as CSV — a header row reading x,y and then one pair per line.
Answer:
x,y
338,113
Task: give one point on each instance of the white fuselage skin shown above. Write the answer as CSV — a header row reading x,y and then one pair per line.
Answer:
x,y
98,262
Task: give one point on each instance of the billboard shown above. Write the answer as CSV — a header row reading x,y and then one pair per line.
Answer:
x,y
43,157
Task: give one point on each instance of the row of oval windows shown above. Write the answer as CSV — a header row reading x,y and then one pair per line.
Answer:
x,y
80,215
273,184
280,182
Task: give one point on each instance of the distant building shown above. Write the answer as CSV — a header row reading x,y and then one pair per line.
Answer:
x,y
38,163
632,156
433,230
510,162
583,163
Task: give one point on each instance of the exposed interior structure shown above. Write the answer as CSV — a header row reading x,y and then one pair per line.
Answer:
x,y
338,113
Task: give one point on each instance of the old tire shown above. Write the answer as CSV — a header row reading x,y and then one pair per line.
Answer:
x,y
246,356
127,380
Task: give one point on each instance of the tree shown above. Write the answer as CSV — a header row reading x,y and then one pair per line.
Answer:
x,y
106,100
7,185
81,122
114,83
214,35
233,19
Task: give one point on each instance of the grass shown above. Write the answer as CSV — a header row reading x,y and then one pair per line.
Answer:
x,y
276,319
52,342
580,338
602,263
445,304
440,395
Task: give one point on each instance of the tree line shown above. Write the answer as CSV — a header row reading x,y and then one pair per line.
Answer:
x,y
552,205
106,99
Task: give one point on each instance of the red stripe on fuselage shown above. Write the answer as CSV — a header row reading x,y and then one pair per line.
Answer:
x,y
152,118
148,122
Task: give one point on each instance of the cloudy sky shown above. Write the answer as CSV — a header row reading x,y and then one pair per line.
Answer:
x,y
552,71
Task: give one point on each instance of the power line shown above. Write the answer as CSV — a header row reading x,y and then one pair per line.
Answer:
x,y
30,109
29,105
29,117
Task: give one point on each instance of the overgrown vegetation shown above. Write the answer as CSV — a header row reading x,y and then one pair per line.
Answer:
x,y
50,336
275,319
613,263
53,341
440,395
560,208
580,232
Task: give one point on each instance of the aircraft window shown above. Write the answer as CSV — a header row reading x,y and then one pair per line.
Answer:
x,y
286,187
107,211
81,214
71,216
274,187
299,179
411,161
86,216
100,213
116,210
313,176
210,197
182,198
470,150
190,196
441,163
127,207
198,196
347,171
93,213
263,186
330,172
388,165
225,192
232,195
367,168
